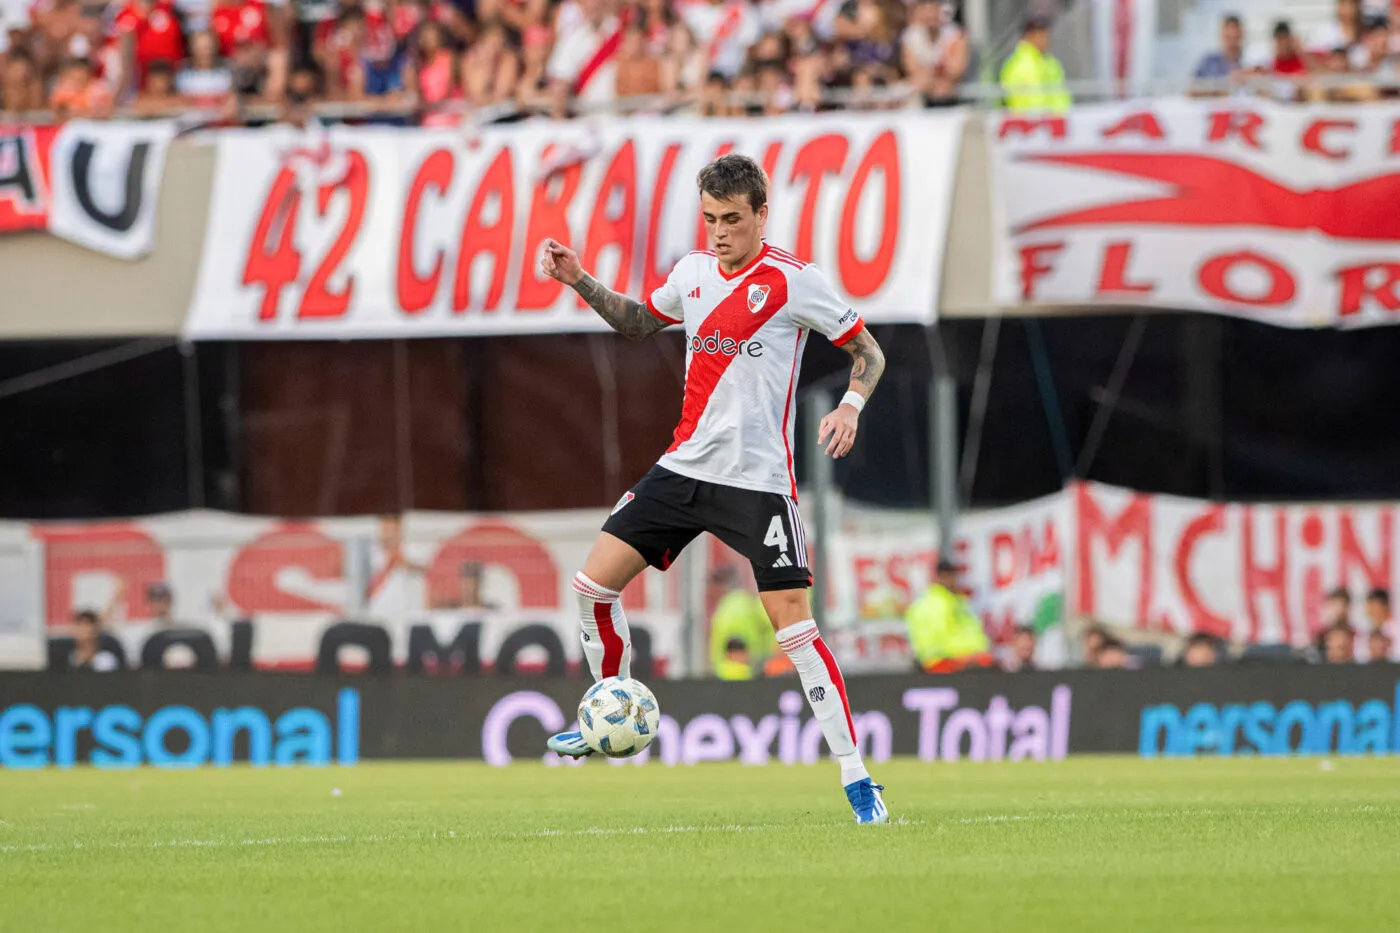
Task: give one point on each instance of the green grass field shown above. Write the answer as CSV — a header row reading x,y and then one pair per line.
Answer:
x,y
1088,844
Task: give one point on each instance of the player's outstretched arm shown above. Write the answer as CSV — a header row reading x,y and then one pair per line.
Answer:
x,y
867,365
628,317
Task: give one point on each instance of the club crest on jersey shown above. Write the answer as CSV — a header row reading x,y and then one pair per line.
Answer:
x,y
626,498
758,297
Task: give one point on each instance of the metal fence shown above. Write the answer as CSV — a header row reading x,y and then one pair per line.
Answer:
x,y
986,94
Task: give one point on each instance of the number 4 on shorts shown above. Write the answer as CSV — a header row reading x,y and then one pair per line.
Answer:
x,y
776,536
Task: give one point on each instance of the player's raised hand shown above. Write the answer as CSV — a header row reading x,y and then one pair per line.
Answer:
x,y
840,426
560,262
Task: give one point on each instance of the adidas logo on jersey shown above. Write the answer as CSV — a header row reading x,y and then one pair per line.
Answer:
x,y
782,561
694,292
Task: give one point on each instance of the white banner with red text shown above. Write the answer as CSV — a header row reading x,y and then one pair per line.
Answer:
x,y
1281,214
1253,573
346,232
94,183
295,579
1250,573
1009,560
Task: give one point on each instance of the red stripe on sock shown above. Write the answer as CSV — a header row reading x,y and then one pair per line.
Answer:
x,y
834,673
585,587
595,595
800,641
612,644
787,637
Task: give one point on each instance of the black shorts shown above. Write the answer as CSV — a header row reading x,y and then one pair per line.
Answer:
x,y
665,511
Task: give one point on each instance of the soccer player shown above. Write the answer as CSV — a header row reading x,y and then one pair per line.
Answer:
x,y
746,307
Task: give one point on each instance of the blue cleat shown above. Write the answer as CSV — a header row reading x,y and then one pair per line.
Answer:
x,y
866,802
571,744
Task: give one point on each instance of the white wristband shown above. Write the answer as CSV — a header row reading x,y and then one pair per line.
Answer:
x,y
854,399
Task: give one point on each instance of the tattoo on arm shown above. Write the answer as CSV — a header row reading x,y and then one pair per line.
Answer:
x,y
868,363
628,317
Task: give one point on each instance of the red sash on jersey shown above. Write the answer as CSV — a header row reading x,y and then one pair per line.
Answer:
x,y
727,27
607,51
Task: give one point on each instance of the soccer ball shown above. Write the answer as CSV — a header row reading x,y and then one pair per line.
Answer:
x,y
618,717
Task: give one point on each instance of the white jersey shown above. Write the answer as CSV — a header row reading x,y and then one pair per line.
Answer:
x,y
724,32
585,56
745,333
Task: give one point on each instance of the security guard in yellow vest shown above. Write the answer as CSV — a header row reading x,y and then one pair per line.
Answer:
x,y
735,665
944,633
1032,79
740,617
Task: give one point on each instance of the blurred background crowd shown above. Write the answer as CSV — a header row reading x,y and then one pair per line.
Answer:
x,y
1351,57
945,635
436,61
440,61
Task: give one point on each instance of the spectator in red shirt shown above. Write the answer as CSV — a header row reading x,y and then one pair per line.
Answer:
x,y
1288,57
409,17
433,73
235,21
156,29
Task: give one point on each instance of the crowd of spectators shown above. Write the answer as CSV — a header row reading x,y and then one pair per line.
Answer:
x,y
438,60
1344,637
946,635
1353,57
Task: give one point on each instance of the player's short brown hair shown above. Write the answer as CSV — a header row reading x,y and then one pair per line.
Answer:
x,y
734,175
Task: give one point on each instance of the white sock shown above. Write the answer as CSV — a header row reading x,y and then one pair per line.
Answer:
x,y
607,642
826,692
